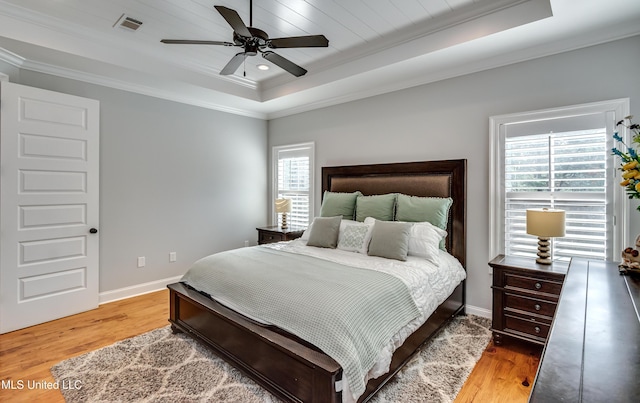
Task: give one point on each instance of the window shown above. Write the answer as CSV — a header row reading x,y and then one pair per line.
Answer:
x,y
293,179
557,159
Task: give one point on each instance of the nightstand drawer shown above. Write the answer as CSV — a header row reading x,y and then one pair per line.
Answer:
x,y
532,284
530,327
532,305
268,237
525,297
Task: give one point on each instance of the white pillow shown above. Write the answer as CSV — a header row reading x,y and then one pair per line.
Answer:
x,y
354,236
424,240
306,233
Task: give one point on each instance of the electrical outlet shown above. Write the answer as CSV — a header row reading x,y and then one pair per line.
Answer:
x,y
246,243
141,261
172,257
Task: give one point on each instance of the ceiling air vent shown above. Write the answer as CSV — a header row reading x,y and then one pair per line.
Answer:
x,y
128,23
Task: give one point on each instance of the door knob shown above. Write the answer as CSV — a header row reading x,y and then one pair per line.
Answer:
x,y
93,231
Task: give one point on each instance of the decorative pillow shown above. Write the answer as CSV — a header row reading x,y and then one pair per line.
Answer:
x,y
343,223
418,209
390,239
339,204
354,236
324,232
424,241
379,207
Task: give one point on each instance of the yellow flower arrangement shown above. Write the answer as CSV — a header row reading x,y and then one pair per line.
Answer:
x,y
630,162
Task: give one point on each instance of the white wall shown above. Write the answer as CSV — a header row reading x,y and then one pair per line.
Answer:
x,y
173,178
450,120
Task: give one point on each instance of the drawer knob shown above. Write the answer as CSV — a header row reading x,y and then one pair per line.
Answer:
x,y
537,329
538,286
537,307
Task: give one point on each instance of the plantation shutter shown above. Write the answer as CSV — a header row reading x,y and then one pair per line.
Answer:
x,y
294,182
560,164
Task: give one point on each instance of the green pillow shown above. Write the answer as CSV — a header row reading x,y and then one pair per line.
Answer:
x,y
335,204
419,209
324,232
390,239
379,207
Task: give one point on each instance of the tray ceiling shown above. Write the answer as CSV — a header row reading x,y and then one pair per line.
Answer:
x,y
375,46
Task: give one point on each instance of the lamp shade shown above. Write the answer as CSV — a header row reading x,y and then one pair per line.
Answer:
x,y
547,223
283,205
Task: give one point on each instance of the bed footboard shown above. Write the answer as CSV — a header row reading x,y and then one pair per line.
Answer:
x,y
285,367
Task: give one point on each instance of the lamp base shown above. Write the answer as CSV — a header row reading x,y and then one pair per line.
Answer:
x,y
544,257
284,221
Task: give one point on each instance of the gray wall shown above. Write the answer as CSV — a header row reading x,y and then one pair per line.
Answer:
x,y
450,119
173,178
11,71
190,180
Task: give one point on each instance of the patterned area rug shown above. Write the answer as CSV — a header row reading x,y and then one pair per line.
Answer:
x,y
162,367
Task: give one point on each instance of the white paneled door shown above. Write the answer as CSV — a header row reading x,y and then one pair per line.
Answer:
x,y
49,207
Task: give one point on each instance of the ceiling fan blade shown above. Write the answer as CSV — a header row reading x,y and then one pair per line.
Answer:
x,y
285,64
311,41
233,64
191,42
232,17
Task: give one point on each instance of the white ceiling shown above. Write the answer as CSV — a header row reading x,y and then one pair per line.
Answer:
x,y
375,46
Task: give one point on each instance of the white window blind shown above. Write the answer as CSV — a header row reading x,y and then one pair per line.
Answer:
x,y
293,180
559,158
568,171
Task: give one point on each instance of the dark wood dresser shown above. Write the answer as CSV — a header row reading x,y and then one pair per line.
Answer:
x,y
593,350
276,234
525,296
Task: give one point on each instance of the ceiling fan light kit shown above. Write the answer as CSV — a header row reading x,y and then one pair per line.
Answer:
x,y
254,41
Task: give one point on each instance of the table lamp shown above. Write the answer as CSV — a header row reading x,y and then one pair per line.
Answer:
x,y
545,223
283,206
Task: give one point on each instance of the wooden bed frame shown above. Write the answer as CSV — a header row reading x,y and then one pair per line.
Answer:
x,y
291,368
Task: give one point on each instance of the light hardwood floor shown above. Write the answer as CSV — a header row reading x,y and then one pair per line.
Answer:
x,y
503,374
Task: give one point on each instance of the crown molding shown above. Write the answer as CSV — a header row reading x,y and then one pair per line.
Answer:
x,y
11,58
54,26
22,63
470,67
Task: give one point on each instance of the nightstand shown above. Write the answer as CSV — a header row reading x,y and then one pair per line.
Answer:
x,y
525,297
276,234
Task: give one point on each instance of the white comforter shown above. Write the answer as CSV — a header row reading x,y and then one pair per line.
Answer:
x,y
430,285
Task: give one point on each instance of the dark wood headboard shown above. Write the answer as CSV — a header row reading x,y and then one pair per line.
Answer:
x,y
429,178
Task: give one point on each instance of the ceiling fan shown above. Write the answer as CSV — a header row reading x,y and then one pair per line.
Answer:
x,y
254,41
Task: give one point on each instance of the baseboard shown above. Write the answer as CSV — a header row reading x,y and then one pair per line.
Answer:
x,y
135,290
474,310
